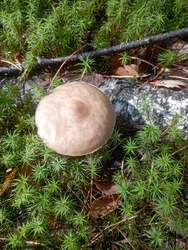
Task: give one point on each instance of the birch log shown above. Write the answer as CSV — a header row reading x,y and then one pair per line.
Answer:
x,y
139,104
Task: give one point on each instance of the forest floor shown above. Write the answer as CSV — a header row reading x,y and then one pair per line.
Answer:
x,y
133,193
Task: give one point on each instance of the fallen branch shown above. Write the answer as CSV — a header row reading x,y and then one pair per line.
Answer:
x,y
27,242
138,104
43,62
10,71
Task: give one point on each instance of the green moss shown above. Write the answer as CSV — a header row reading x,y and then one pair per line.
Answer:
x,y
56,28
169,57
48,199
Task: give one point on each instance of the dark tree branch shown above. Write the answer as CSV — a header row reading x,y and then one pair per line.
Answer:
x,y
43,62
10,71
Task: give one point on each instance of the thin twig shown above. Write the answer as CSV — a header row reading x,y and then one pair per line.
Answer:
x,y
117,48
121,77
115,225
27,242
158,74
91,190
122,168
18,66
68,58
126,77
179,150
142,60
179,77
110,228
125,237
86,201
43,62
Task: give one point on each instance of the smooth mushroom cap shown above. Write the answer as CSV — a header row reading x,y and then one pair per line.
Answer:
x,y
75,119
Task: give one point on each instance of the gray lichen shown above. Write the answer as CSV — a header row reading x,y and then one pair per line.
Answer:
x,y
140,104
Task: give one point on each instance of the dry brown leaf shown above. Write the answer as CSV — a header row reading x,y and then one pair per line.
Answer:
x,y
18,57
5,187
94,79
180,47
180,70
127,70
104,206
106,187
171,84
115,62
145,56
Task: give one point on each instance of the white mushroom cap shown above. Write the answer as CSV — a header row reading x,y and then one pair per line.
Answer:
x,y
75,119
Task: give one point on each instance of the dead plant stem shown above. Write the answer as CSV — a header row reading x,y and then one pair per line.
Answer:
x,y
68,58
179,150
27,242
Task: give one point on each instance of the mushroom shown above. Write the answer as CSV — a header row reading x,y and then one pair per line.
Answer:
x,y
75,119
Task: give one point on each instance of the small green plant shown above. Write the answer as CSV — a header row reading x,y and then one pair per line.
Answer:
x,y
125,58
86,66
169,57
156,236
70,241
56,82
63,207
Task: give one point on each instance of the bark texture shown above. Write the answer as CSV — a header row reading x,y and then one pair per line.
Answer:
x,y
139,104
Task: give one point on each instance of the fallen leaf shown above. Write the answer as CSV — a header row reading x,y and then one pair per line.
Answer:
x,y
18,57
5,187
104,206
145,56
69,75
127,70
170,84
180,47
181,71
94,79
116,62
106,187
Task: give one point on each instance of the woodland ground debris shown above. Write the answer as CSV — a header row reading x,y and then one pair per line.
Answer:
x,y
46,28
133,192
